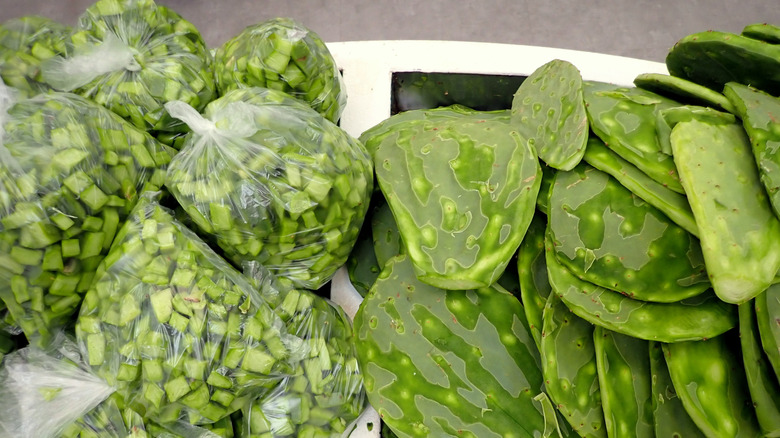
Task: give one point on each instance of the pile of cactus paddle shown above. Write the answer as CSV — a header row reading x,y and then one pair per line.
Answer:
x,y
593,260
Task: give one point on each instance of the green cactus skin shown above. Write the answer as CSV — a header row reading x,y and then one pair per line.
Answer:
x,y
608,236
462,193
623,365
384,233
416,119
543,199
669,417
708,377
701,317
760,114
761,381
735,219
532,271
671,203
625,118
362,266
669,117
682,90
763,31
713,58
548,110
569,367
442,363
767,306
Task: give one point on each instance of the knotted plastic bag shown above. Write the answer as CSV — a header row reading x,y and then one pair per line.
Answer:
x,y
51,393
269,180
176,330
132,56
283,55
325,394
25,43
70,172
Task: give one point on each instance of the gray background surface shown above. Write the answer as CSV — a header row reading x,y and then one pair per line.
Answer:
x,y
644,29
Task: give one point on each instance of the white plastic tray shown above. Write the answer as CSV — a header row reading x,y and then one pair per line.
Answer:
x,y
368,67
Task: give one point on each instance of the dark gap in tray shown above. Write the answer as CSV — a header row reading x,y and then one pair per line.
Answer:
x,y
423,90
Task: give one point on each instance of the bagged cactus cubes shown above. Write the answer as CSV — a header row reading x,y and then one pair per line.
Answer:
x,y
133,56
462,188
70,173
282,54
174,329
25,43
448,363
324,392
270,180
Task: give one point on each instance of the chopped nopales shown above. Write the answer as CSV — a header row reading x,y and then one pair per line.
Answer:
x,y
25,43
174,329
284,55
269,180
69,175
325,392
133,56
462,187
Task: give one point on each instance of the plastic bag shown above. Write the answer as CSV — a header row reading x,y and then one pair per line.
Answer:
x,y
70,172
25,43
269,180
325,394
284,55
133,56
178,331
51,393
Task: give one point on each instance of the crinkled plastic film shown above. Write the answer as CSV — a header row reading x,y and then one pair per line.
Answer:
x,y
70,172
49,392
132,56
325,394
25,43
179,332
269,180
283,55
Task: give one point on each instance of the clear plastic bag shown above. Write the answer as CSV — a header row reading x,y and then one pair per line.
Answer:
x,y
269,180
325,394
51,393
284,55
176,330
26,42
132,56
70,172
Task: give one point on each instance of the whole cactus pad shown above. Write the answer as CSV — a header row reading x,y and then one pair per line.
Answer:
x,y
735,219
440,363
606,235
462,191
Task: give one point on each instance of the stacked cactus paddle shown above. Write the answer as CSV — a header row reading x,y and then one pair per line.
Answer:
x,y
641,223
